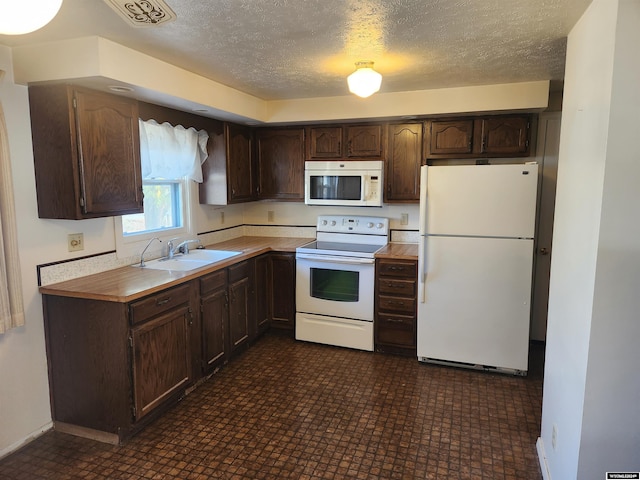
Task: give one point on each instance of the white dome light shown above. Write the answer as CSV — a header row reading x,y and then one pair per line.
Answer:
x,y
365,81
19,16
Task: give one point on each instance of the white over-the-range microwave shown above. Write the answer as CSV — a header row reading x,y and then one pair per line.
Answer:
x,y
355,183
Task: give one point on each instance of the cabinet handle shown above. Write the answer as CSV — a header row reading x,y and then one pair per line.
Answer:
x,y
226,299
401,304
397,269
394,285
393,320
163,301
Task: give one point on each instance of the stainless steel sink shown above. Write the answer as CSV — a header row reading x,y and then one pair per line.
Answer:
x,y
194,259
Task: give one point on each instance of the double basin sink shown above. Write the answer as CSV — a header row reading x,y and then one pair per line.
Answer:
x,y
194,259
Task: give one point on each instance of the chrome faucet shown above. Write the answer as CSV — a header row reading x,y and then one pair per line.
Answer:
x,y
145,249
182,247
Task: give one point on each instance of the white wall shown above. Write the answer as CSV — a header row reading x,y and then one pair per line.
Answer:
x,y
611,419
295,213
591,381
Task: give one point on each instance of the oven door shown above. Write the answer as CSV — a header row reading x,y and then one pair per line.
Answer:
x,y
335,286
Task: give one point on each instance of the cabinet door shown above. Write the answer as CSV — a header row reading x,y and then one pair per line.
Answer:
x,y
324,143
402,177
240,169
215,317
282,298
506,135
239,308
280,163
453,137
261,290
364,141
109,154
161,359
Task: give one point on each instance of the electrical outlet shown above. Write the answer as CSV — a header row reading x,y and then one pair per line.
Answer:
x,y
404,219
554,436
221,218
75,242
269,215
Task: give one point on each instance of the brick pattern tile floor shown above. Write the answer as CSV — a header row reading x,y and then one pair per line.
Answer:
x,y
287,409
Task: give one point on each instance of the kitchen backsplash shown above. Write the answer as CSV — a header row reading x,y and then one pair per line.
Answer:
x,y
66,270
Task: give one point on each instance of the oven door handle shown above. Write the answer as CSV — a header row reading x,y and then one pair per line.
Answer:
x,y
335,259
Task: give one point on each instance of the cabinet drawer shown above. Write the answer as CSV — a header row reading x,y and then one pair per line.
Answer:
x,y
395,330
160,302
396,304
396,268
396,286
213,281
239,271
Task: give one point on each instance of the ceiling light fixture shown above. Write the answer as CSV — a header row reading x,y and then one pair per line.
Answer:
x,y
18,18
365,81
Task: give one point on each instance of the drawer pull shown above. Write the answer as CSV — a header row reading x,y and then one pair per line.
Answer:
x,y
397,303
393,320
163,301
394,285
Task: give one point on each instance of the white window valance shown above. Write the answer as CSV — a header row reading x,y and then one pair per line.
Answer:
x,y
170,152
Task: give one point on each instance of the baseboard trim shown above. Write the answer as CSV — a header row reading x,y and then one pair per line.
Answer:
x,y
90,433
542,458
21,443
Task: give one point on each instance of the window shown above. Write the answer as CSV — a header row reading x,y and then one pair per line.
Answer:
x,y
162,209
171,159
167,215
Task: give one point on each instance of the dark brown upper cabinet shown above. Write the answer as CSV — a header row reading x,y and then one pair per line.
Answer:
x,y
345,142
324,143
505,135
454,137
229,171
404,158
86,149
280,160
478,137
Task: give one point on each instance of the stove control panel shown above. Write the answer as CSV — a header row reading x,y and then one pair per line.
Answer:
x,y
353,224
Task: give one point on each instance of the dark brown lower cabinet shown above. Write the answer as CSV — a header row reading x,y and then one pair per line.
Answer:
x,y
396,306
114,366
261,318
240,279
214,308
161,359
282,295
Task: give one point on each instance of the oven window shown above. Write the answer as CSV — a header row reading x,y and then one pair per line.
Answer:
x,y
335,187
335,285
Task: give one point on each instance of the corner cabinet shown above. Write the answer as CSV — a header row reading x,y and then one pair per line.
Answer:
x,y
280,163
86,149
478,137
404,158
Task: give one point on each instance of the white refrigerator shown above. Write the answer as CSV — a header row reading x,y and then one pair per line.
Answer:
x,y
477,224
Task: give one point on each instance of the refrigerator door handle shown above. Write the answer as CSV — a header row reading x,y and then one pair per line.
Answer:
x,y
422,270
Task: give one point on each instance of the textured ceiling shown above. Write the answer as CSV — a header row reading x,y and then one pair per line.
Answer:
x,y
279,49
